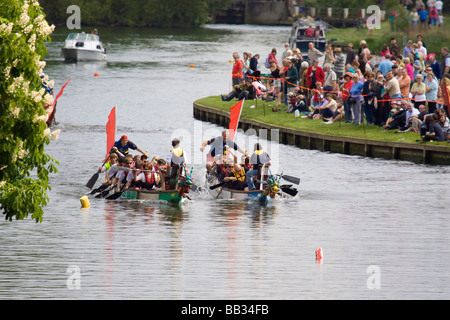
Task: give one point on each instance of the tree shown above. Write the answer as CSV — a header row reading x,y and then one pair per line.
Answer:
x,y
24,165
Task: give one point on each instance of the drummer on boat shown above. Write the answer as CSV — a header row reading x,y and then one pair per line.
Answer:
x,y
123,145
220,147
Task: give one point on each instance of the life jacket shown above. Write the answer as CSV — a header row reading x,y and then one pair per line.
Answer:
x,y
150,177
239,175
177,156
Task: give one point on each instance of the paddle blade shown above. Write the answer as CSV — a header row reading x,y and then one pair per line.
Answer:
x,y
114,196
291,179
290,191
93,180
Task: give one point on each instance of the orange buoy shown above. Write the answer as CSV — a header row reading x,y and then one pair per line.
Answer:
x,y
192,65
96,75
319,255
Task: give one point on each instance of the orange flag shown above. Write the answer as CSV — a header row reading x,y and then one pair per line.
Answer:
x,y
110,131
235,114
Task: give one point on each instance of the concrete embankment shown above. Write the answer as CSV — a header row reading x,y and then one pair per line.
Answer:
x,y
417,153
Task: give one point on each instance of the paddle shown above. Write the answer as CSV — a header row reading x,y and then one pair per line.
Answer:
x,y
94,178
289,190
105,192
99,189
115,195
291,179
217,185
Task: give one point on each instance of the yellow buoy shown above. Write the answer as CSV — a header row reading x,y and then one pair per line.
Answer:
x,y
85,202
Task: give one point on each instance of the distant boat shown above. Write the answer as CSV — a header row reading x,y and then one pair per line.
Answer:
x,y
301,36
83,47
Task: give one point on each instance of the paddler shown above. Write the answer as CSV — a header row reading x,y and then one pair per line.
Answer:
x,y
220,147
122,146
234,176
175,162
257,160
121,177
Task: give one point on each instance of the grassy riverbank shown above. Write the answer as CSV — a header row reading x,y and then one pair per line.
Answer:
x,y
263,112
435,37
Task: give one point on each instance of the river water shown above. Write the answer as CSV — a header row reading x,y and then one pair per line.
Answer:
x,y
383,226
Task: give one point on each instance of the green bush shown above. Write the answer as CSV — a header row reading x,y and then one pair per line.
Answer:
x,y
24,165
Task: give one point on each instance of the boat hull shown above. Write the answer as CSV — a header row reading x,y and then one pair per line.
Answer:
x,y
162,195
77,54
228,193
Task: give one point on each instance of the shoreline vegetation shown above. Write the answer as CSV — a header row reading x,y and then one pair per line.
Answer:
x,y
262,111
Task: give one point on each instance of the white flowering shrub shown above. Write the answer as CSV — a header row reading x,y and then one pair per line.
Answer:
x,y
24,164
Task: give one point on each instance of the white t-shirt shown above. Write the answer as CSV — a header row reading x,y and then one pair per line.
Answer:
x,y
438,5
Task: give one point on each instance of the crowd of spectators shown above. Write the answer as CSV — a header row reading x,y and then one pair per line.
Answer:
x,y
357,87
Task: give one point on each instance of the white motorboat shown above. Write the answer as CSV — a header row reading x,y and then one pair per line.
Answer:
x,y
83,47
300,38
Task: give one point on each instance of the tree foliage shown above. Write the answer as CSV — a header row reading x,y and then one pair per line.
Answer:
x,y
136,13
24,165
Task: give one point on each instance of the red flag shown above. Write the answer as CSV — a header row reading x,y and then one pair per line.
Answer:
x,y
60,93
52,114
110,131
235,114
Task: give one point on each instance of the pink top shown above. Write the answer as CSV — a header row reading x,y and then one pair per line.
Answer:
x,y
272,57
410,70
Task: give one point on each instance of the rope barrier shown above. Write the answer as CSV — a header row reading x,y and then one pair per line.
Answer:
x,y
337,92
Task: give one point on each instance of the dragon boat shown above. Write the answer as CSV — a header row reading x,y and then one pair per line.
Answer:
x,y
268,190
175,196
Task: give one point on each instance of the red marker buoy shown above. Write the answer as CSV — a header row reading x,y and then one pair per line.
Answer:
x,y
96,75
319,255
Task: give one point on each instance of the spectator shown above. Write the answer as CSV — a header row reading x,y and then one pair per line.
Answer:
x,y
327,110
314,74
291,76
253,65
285,53
345,88
408,48
385,65
339,65
350,55
354,100
237,73
435,67
394,49
384,51
432,130
397,118
445,124
410,113
313,53
404,82
438,5
365,92
418,91
330,82
431,90
433,16
423,16
445,64
409,68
